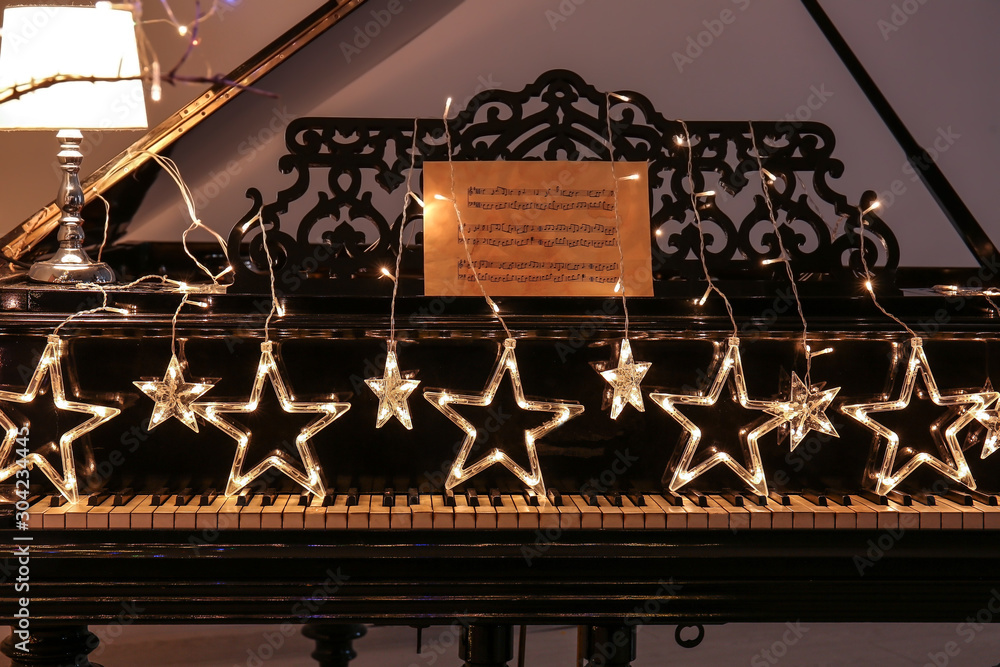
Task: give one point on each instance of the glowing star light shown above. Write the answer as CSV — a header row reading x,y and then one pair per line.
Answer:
x,y
506,365
886,478
173,396
392,390
50,364
684,473
310,475
805,411
624,379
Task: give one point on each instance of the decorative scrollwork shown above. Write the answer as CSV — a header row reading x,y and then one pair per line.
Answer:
x,y
349,230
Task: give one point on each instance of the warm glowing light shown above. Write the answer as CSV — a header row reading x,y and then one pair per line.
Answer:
x,y
182,30
506,365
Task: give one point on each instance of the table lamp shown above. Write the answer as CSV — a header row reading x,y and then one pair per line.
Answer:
x,y
44,43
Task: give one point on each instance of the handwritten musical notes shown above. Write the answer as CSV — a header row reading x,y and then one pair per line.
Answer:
x,y
536,229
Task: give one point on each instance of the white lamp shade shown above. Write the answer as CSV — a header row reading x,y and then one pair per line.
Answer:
x,y
39,42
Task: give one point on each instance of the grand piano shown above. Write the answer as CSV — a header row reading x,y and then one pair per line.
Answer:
x,y
888,510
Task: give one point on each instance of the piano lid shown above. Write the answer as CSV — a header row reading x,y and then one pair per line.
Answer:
x,y
413,63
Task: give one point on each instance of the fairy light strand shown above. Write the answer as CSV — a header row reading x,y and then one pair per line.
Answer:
x,y
402,224
784,258
618,217
712,287
461,224
869,285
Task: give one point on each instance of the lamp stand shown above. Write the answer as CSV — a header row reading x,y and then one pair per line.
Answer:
x,y
71,264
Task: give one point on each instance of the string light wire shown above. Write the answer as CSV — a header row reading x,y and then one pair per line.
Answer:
x,y
712,287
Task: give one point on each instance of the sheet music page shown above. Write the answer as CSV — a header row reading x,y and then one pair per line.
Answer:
x,y
542,228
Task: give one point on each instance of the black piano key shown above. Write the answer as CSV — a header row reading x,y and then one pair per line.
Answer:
x,y
57,501
531,498
673,498
736,499
928,499
96,499
815,498
591,498
755,499
389,497
303,500
638,499
839,497
616,499
123,497
268,497
781,499
352,496
698,498
159,497
472,497
329,497
208,497
449,498
904,499
496,500
246,495
555,498
963,499
875,498
413,496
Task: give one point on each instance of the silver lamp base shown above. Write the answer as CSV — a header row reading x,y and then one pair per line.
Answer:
x,y
71,264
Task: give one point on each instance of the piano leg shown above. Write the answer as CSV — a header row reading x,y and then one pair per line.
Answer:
x,y
333,642
486,645
608,645
52,646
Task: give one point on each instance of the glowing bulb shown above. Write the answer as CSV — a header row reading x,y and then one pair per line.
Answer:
x,y
868,285
770,177
618,286
679,140
417,199
632,177
447,107
620,97
874,205
182,30
442,197
387,273
706,193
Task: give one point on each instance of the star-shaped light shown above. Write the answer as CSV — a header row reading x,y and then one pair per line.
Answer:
x,y
886,478
753,475
991,420
506,365
174,396
805,410
624,379
392,390
50,365
310,475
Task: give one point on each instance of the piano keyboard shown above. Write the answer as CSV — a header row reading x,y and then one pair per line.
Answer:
x,y
499,511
